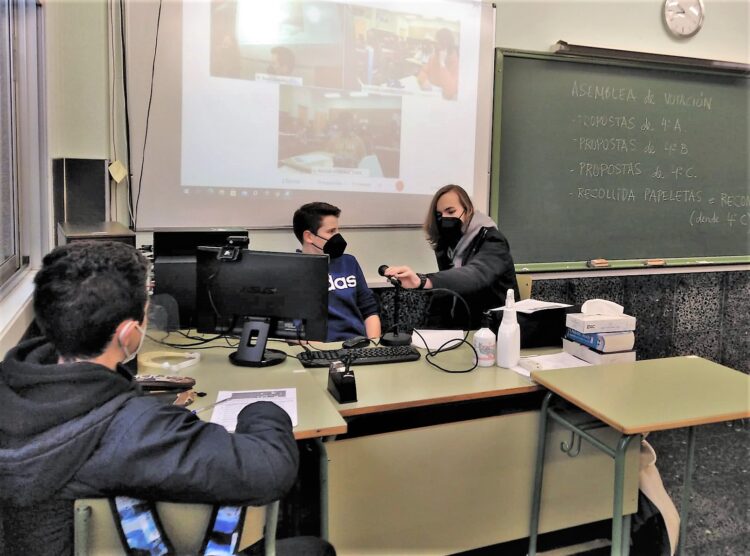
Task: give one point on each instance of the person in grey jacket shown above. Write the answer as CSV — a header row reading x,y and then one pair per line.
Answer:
x,y
473,259
74,424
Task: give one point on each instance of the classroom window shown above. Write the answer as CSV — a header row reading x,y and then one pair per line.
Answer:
x,y
10,260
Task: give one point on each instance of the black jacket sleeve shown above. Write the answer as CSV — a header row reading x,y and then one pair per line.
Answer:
x,y
491,265
162,452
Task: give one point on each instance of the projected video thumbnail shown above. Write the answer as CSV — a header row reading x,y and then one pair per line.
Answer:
x,y
335,132
335,46
399,52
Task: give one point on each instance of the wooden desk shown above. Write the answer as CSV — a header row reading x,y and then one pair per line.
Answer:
x,y
382,388
635,398
436,488
457,484
317,416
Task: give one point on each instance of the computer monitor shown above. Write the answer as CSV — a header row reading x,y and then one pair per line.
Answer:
x,y
174,269
261,294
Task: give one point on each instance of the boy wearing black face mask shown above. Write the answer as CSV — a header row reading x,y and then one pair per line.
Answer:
x,y
352,307
472,255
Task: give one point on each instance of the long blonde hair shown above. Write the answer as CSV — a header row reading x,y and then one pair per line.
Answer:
x,y
430,223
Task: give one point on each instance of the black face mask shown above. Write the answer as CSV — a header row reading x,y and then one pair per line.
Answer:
x,y
449,228
334,247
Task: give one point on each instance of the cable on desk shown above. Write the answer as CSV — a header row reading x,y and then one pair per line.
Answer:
x,y
450,344
194,345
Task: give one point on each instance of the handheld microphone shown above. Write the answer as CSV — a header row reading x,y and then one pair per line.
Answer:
x,y
395,281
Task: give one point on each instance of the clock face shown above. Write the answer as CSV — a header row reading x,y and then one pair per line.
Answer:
x,y
684,18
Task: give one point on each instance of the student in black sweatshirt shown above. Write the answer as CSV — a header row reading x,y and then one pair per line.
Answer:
x,y
74,424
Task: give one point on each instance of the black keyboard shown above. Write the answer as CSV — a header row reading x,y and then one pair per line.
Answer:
x,y
359,356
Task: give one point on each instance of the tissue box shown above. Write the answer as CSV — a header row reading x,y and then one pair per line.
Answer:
x,y
587,324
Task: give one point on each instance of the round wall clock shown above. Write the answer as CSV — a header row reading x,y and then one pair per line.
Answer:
x,y
683,18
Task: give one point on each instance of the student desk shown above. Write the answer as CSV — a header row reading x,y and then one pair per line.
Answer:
x,y
317,417
635,398
435,462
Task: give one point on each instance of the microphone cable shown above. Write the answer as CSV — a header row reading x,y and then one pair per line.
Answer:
x,y
450,344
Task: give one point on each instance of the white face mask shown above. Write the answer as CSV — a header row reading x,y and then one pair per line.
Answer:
x,y
128,355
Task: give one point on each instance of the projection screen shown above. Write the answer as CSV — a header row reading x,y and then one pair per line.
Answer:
x,y
260,106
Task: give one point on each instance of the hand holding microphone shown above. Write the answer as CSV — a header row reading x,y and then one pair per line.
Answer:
x,y
400,276
394,281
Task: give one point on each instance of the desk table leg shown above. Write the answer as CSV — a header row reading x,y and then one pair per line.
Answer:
x,y
323,478
536,499
686,488
620,535
620,523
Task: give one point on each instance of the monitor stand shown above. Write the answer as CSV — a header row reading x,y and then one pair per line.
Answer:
x,y
252,350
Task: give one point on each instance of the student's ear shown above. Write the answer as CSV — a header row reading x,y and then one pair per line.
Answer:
x,y
307,236
123,332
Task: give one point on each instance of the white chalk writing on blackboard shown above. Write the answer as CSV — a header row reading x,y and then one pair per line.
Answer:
x,y
603,92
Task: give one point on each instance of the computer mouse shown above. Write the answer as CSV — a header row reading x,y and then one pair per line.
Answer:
x,y
355,342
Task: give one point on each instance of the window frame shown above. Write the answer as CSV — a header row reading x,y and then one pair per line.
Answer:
x,y
13,264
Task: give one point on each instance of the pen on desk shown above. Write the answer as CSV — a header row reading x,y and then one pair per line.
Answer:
x,y
211,406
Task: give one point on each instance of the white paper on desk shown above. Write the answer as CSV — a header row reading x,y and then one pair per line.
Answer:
x,y
561,360
225,414
533,305
435,338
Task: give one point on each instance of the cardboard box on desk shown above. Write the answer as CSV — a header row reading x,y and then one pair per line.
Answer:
x,y
541,328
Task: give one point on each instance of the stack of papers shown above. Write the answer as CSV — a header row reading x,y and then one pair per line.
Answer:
x,y
559,360
532,306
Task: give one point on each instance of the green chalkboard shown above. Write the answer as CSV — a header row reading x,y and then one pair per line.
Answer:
x,y
619,161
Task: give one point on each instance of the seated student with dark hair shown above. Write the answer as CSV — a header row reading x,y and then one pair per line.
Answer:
x,y
74,424
352,307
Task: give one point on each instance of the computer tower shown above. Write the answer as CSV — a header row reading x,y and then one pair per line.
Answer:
x,y
174,266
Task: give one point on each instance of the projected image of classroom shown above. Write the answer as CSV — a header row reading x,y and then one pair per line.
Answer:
x,y
330,132
299,43
406,52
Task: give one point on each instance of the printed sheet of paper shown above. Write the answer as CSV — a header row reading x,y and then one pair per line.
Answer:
x,y
560,360
225,414
533,305
436,338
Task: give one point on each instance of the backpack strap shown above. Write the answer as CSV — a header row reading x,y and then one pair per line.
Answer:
x,y
140,529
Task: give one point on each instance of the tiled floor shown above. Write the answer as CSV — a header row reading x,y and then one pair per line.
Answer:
x,y
719,521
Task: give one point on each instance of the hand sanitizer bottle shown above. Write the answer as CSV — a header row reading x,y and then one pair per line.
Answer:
x,y
509,335
484,343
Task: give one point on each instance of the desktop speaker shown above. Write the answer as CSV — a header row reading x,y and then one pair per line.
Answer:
x,y
80,190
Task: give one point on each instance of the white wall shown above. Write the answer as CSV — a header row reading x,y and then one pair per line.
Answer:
x,y
77,78
624,25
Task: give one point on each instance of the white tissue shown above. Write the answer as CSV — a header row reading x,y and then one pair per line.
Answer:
x,y
601,307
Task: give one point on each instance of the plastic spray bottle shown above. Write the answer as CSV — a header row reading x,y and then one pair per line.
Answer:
x,y
509,335
484,343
